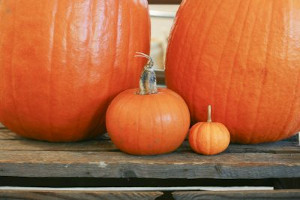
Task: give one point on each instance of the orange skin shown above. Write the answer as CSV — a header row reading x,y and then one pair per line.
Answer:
x,y
243,58
148,124
209,138
62,62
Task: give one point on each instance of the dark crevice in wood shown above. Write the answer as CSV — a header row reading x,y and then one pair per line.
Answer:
x,y
286,183
166,196
137,182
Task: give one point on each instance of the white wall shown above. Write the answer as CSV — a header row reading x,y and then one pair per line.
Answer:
x,y
160,29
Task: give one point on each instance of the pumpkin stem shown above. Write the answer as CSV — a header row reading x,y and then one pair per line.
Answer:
x,y
148,77
209,114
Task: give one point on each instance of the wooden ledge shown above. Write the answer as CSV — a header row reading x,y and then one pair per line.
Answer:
x,y
99,158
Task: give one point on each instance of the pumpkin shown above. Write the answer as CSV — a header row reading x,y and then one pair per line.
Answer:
x,y
209,138
243,58
147,121
62,62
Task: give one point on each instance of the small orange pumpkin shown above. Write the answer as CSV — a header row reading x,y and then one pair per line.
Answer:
x,y
149,121
209,137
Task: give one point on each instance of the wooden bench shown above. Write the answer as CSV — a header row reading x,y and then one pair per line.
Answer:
x,y
97,170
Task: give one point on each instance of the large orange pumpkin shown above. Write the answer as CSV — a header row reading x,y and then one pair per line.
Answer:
x,y
243,58
62,61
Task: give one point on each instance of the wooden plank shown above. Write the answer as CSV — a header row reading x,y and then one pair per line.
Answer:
x,y
33,145
1,126
175,165
276,147
74,195
6,134
106,145
245,195
84,159
9,141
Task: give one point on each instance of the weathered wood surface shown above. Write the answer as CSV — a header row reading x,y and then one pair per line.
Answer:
x,y
176,165
99,158
18,143
245,195
104,145
9,141
132,195
74,195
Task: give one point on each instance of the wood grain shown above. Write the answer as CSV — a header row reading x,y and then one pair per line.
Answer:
x,y
6,134
32,145
9,141
176,165
74,195
183,195
21,157
245,195
107,145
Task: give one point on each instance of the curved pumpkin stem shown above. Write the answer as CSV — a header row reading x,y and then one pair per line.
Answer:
x,y
143,55
209,114
148,77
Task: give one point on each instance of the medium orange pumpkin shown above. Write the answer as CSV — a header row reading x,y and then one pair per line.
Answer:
x,y
243,58
61,62
148,121
209,138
